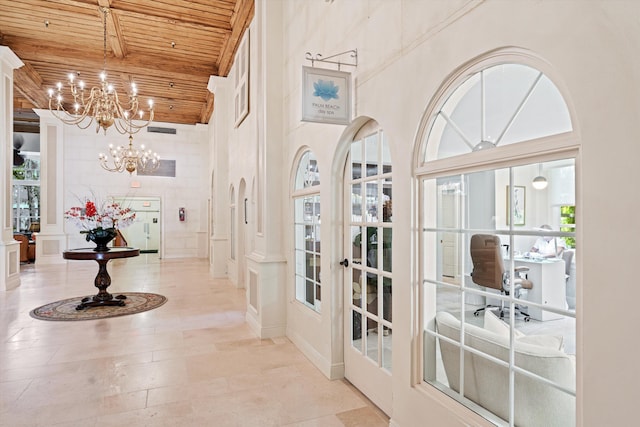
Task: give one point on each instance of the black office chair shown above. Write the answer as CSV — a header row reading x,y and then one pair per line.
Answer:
x,y
489,271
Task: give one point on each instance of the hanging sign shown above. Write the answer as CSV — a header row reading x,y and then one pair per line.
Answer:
x,y
326,96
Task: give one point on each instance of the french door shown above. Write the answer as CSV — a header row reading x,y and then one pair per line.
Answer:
x,y
368,270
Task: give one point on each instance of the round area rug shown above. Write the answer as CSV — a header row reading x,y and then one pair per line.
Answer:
x,y
65,309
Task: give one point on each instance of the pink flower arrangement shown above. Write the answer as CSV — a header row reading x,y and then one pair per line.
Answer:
x,y
105,215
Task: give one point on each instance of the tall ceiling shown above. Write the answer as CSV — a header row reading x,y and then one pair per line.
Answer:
x,y
169,48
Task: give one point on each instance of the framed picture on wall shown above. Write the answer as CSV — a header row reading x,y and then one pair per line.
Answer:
x,y
519,204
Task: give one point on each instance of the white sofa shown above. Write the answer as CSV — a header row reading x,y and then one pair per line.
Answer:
x,y
487,383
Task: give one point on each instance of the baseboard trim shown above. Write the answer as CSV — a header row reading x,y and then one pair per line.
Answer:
x,y
332,371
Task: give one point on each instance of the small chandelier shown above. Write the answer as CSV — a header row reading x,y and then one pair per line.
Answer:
x,y
102,104
129,159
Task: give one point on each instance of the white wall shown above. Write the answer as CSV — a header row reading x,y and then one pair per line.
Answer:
x,y
406,49
189,189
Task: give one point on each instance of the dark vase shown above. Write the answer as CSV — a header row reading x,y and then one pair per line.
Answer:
x,y
101,237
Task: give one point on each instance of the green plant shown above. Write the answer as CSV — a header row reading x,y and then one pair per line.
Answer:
x,y
18,172
568,223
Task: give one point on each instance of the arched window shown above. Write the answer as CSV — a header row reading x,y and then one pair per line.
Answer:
x,y
497,106
497,249
306,201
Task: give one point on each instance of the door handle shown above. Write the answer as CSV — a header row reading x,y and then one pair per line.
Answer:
x,y
345,262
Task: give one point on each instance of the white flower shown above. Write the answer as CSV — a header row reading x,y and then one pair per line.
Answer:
x,y
94,215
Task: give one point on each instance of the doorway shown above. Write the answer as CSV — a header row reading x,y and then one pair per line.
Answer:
x,y
448,218
144,233
368,277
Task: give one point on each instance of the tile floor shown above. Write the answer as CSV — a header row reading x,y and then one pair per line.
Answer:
x,y
192,362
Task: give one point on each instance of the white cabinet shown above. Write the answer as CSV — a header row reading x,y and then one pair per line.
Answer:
x,y
549,286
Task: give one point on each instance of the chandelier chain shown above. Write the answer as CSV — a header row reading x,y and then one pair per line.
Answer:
x,y
104,38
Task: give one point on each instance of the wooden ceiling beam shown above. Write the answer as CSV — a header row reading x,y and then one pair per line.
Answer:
x,y
207,109
26,127
28,83
20,102
38,53
172,14
239,22
114,32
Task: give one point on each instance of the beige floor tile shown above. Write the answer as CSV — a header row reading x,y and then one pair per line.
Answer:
x,y
10,391
363,417
170,414
187,392
192,362
326,421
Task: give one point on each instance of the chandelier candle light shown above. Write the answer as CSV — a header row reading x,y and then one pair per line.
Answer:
x,y
102,104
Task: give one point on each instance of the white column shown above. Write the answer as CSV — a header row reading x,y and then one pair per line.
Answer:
x,y
51,241
9,248
219,175
267,277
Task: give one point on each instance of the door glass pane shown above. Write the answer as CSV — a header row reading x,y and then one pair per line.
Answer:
x,y
386,298
357,287
356,330
356,203
372,340
372,293
309,292
387,345
387,203
372,202
356,159
371,237
356,245
371,245
371,150
386,156
386,249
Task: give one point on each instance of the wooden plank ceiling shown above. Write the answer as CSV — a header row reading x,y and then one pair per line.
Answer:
x,y
169,48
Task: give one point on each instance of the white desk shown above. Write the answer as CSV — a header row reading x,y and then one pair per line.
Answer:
x,y
549,285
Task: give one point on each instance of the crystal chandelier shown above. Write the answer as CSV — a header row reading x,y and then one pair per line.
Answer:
x,y
129,158
102,103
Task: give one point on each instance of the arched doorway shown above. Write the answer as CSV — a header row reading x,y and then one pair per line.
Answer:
x,y
368,278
